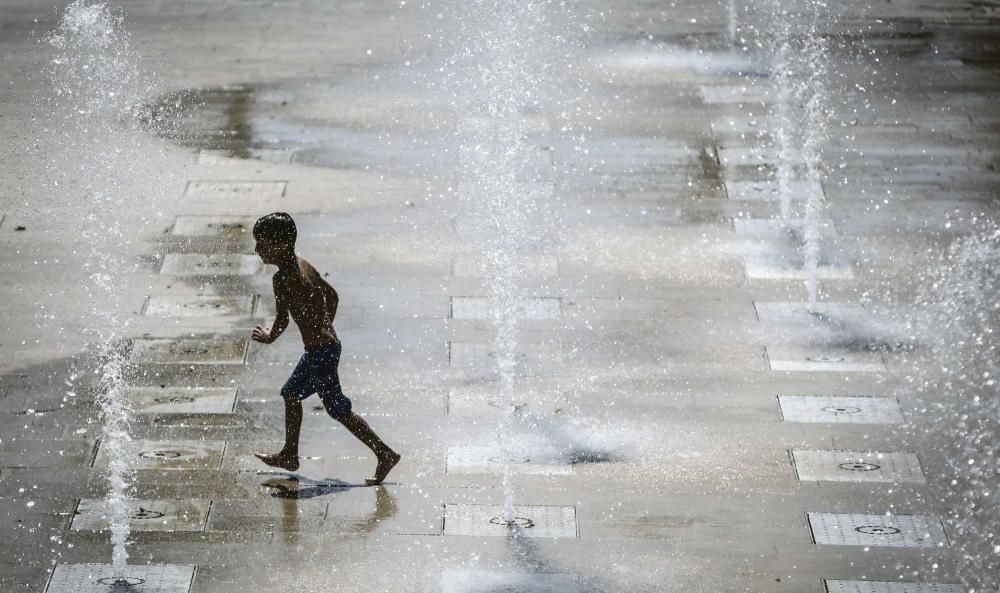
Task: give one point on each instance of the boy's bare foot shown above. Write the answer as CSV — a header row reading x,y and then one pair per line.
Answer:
x,y
385,465
280,459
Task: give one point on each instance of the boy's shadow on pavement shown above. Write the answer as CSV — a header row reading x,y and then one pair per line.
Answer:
x,y
292,487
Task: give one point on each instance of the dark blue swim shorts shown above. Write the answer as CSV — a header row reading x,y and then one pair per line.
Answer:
x,y
317,373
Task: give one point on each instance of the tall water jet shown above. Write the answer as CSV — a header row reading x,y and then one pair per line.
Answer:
x,y
496,183
92,130
816,57
800,74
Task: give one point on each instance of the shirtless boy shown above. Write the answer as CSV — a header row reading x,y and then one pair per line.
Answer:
x,y
301,292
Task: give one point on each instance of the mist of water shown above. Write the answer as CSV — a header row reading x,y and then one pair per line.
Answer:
x,y
958,318
93,125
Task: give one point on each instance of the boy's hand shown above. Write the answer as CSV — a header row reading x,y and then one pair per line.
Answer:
x,y
262,335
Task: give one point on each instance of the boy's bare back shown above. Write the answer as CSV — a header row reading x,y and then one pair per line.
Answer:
x,y
310,300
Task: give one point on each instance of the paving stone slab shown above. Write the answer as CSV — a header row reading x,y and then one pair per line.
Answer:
x,y
480,356
172,454
207,226
140,578
846,409
768,191
182,400
281,156
198,306
777,266
736,93
482,459
189,351
799,312
857,466
529,521
481,581
840,586
813,359
146,515
897,531
234,189
532,308
543,266
778,225
211,264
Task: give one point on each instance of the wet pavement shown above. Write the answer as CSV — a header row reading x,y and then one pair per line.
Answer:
x,y
684,423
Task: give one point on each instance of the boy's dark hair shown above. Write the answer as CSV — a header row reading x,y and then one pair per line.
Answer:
x,y
276,226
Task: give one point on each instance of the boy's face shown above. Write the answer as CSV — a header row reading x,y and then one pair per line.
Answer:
x,y
270,252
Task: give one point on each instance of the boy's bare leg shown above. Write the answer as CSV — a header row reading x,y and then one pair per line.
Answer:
x,y
387,458
288,457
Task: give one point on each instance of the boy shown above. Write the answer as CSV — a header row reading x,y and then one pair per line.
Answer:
x,y
299,291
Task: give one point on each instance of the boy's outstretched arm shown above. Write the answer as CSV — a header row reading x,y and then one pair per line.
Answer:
x,y
265,335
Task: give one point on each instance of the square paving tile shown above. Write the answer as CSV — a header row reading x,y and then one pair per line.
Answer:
x,y
890,587
896,531
529,521
182,400
481,459
768,191
857,466
189,351
845,409
478,401
141,578
234,189
199,306
810,359
481,581
202,226
172,454
797,312
771,266
211,264
532,308
147,515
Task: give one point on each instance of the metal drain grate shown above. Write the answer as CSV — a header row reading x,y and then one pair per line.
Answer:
x,y
182,400
890,587
178,454
189,351
792,312
529,521
533,308
474,459
198,306
822,360
896,531
766,191
101,578
847,409
480,581
769,266
857,466
235,189
211,264
201,226
146,515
